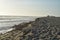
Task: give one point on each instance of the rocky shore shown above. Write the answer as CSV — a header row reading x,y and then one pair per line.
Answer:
x,y
44,28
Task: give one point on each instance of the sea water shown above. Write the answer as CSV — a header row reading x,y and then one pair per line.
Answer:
x,y
6,22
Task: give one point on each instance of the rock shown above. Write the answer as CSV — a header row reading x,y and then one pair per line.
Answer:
x,y
45,28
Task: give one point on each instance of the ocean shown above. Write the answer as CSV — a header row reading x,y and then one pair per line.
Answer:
x,y
6,22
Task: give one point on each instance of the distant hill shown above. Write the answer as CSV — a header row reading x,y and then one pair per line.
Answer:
x,y
44,28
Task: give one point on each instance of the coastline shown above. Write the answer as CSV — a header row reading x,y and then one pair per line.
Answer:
x,y
5,23
44,28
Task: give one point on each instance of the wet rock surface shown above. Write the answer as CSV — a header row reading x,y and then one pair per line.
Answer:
x,y
45,28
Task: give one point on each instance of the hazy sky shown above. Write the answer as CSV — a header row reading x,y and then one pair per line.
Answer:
x,y
30,7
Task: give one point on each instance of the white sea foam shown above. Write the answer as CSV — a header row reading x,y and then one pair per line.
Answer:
x,y
4,31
